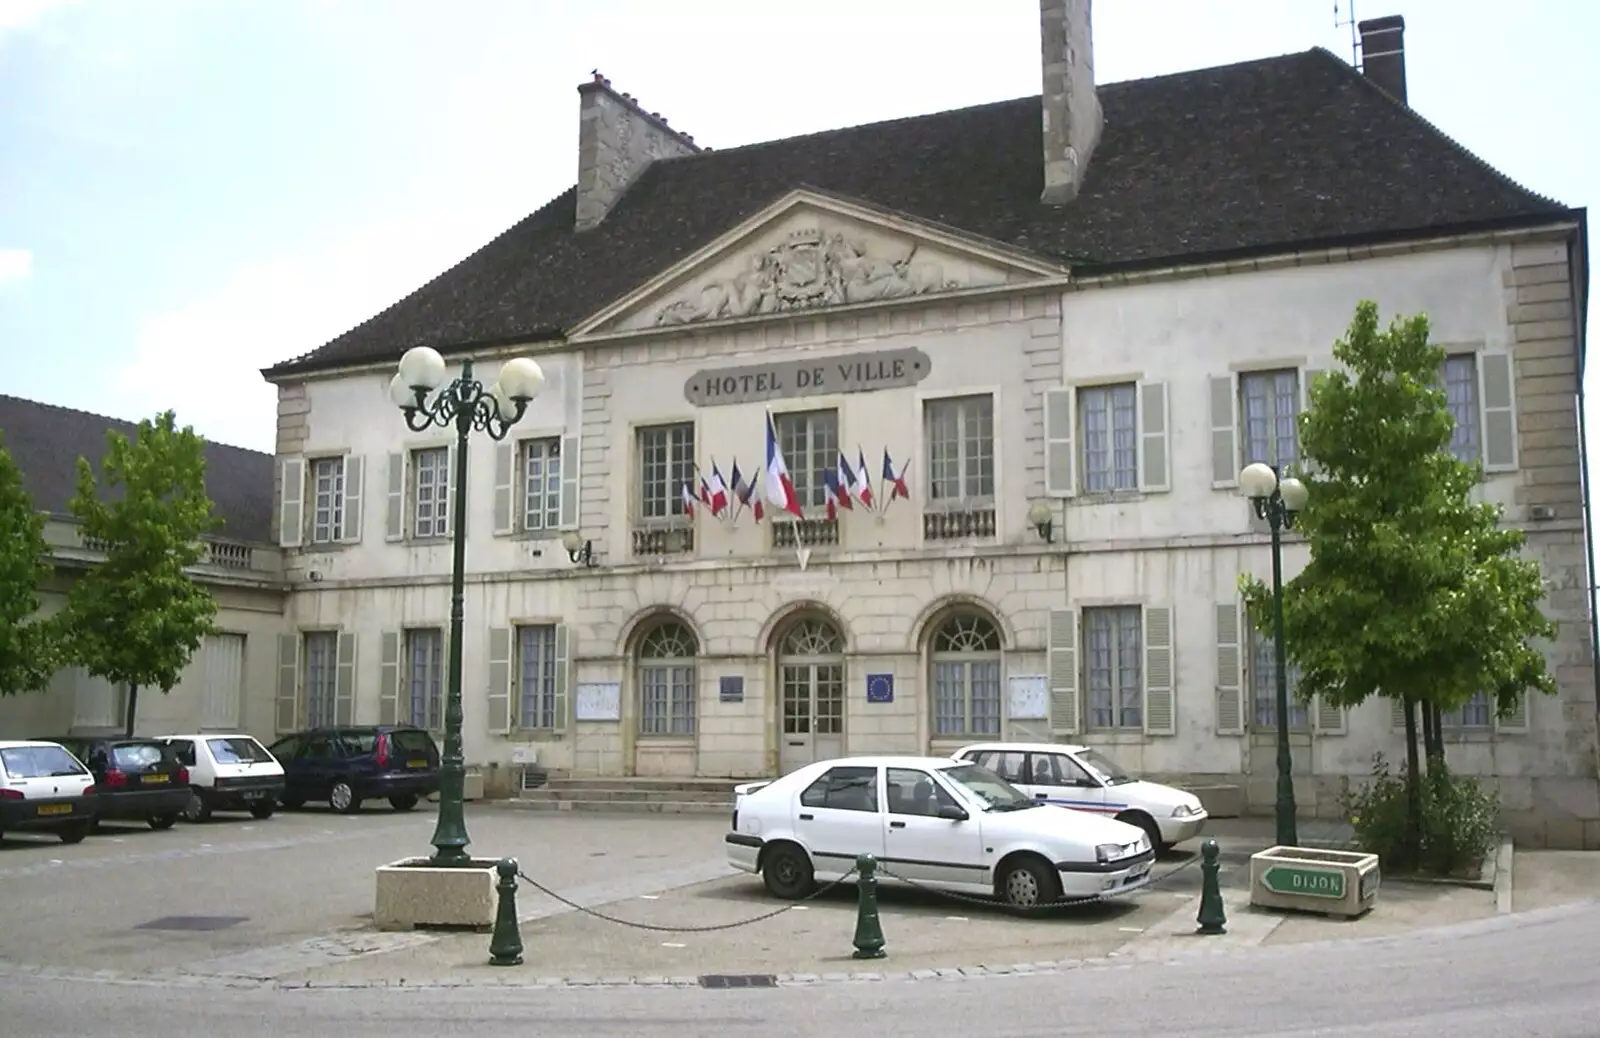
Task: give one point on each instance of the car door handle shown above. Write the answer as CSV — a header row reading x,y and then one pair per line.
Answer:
x,y
805,818
897,825
1041,796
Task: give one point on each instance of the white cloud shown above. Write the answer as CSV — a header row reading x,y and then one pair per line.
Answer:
x,y
15,264
204,359
24,14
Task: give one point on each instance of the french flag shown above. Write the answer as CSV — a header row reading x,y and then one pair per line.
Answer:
x,y
831,498
898,482
779,488
718,490
844,480
862,484
745,492
688,501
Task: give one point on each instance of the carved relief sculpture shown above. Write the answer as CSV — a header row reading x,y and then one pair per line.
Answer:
x,y
808,270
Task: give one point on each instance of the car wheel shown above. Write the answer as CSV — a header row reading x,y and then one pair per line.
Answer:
x,y
198,809
74,833
787,872
160,822
1029,883
403,803
262,811
343,799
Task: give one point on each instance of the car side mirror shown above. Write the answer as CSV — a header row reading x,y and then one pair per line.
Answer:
x,y
953,813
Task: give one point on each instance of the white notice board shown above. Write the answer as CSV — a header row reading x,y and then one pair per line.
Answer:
x,y
598,701
1029,697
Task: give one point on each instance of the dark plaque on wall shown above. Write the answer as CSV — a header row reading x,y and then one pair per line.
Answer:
x,y
730,688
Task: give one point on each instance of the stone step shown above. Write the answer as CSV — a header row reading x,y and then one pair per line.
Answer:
x,y
666,807
653,784
723,796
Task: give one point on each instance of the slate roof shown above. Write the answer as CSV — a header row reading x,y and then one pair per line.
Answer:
x,y
46,442
1297,150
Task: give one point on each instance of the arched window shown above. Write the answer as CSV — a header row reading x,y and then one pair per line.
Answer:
x,y
811,693
966,677
667,686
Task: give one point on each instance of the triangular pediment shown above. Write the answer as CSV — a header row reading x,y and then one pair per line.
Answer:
x,y
812,251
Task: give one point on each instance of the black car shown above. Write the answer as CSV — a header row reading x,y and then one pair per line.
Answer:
x,y
136,780
352,763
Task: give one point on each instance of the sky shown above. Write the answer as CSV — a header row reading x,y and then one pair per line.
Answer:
x,y
191,190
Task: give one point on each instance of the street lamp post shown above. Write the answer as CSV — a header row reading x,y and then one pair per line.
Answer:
x,y
465,404
1277,501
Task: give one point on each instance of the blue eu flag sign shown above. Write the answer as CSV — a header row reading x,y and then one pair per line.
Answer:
x,y
880,688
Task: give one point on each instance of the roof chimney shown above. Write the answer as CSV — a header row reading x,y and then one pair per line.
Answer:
x,y
617,139
1072,117
1383,53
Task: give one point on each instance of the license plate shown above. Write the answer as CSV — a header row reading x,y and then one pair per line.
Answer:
x,y
152,780
55,809
416,764
256,794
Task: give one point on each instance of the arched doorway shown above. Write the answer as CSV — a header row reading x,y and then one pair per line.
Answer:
x,y
965,681
666,680
810,693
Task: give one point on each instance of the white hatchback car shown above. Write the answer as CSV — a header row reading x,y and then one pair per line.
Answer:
x,y
228,773
1084,779
932,822
42,786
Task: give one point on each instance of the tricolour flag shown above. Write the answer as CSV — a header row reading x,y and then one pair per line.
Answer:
x,y
745,492
831,497
688,501
846,480
893,479
779,488
718,490
863,483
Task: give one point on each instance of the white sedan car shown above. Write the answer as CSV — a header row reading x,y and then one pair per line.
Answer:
x,y
932,822
1084,779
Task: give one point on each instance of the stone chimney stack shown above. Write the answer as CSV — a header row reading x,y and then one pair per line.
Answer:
x,y
1383,53
617,139
1072,117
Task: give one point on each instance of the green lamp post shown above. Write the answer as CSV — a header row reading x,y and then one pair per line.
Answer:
x,y
466,405
1276,501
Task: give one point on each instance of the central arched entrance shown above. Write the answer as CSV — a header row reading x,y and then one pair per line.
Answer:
x,y
810,693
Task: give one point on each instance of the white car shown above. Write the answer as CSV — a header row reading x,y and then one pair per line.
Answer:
x,y
1084,779
932,822
228,773
42,786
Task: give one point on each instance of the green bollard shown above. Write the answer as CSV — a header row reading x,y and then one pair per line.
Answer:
x,y
505,944
869,931
1213,918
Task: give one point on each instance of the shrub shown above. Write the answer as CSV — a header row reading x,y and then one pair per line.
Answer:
x,y
1460,820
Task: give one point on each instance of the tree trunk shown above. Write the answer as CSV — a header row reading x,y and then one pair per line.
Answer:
x,y
1434,733
133,706
1413,786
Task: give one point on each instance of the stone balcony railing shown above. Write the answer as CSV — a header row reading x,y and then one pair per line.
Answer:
x,y
218,557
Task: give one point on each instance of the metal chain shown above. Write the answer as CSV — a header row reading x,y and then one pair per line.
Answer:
x,y
683,929
1064,903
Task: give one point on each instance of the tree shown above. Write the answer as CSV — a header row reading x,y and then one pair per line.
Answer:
x,y
29,644
137,618
1413,592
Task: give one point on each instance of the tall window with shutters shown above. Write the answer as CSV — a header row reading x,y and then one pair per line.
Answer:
x,y
424,684
667,680
327,500
810,444
966,677
319,682
665,465
1107,439
539,472
1461,394
959,432
1113,640
1269,409
537,689
1108,429
1476,714
1263,668
430,494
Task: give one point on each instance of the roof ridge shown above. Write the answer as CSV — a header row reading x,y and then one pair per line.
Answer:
x,y
116,421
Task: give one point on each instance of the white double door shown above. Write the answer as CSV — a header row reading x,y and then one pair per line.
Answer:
x,y
811,723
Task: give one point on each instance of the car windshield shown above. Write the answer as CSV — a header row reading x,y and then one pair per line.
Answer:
x,y
238,750
135,755
29,762
1104,768
411,740
985,788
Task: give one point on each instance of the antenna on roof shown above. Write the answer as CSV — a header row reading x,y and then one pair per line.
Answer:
x,y
1355,37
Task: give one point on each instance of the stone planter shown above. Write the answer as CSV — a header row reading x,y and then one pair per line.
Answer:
x,y
1342,883
413,893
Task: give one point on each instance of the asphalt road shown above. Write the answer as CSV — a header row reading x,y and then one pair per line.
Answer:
x,y
1530,974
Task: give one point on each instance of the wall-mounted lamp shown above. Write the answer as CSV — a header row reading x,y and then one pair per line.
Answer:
x,y
1043,520
580,551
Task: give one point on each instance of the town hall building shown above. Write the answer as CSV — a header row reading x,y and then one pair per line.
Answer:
x,y
1061,323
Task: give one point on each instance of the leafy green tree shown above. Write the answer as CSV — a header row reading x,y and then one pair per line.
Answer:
x,y
1414,591
29,644
137,618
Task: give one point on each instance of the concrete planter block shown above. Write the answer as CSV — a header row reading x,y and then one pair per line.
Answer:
x,y
1343,883
1220,801
412,893
471,787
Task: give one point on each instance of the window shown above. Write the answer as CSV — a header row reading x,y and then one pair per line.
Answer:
x,y
851,788
666,466
1058,769
966,677
810,444
431,503
1461,391
1264,688
913,792
536,676
1477,713
1009,765
238,749
1269,404
1114,664
30,762
425,651
667,681
327,500
960,433
1108,416
541,484
321,656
